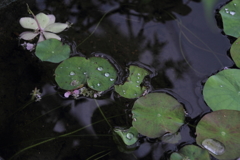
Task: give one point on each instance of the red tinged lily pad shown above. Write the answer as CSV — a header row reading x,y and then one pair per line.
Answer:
x,y
156,114
219,133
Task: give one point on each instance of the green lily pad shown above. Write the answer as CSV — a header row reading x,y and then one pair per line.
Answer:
x,y
132,88
235,52
222,91
128,136
52,50
98,73
171,138
190,152
156,114
231,18
218,132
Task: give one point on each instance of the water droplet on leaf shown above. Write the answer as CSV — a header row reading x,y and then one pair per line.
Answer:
x,y
232,13
213,146
129,136
111,79
72,73
100,68
106,74
74,83
98,84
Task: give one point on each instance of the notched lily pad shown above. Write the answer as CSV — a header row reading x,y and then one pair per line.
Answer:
x,y
235,52
98,73
132,87
218,132
156,114
52,50
190,152
231,18
222,90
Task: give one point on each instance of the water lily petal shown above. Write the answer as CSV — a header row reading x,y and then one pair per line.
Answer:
x,y
41,38
56,27
27,35
52,19
49,35
42,19
29,23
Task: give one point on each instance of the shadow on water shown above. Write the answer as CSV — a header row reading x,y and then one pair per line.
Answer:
x,y
156,33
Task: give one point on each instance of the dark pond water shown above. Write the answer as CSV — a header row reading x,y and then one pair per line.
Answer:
x,y
173,37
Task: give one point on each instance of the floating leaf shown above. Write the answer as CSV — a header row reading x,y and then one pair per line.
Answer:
x,y
52,50
231,18
222,91
128,136
171,138
218,132
97,72
132,88
190,152
156,114
235,52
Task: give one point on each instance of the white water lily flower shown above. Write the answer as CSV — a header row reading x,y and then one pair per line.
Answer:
x,y
43,25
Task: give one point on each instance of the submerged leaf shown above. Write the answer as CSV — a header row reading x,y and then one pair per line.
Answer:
x,y
231,18
222,90
218,132
132,87
156,114
52,50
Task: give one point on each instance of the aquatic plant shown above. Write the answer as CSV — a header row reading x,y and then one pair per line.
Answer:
x,y
218,132
98,73
43,25
156,114
222,90
189,152
132,87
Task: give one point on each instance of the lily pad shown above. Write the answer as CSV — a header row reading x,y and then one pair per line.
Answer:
x,y
222,91
98,73
231,18
132,87
156,114
128,136
235,52
218,132
171,138
190,152
52,50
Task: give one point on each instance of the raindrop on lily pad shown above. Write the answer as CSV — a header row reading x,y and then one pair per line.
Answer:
x,y
146,111
221,91
231,18
68,72
190,152
132,85
218,132
52,50
128,136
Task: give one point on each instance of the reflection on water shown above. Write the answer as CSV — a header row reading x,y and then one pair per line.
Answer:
x,y
170,36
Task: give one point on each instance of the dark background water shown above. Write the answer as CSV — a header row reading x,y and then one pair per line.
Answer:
x,y
171,36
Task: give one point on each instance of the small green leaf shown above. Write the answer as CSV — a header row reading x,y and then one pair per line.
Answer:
x,y
98,73
156,114
52,50
189,152
132,88
235,52
222,90
231,18
129,136
171,138
221,130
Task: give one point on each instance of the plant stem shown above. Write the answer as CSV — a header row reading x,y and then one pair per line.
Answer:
x,y
102,113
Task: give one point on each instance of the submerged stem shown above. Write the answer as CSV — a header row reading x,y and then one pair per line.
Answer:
x,y
102,113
